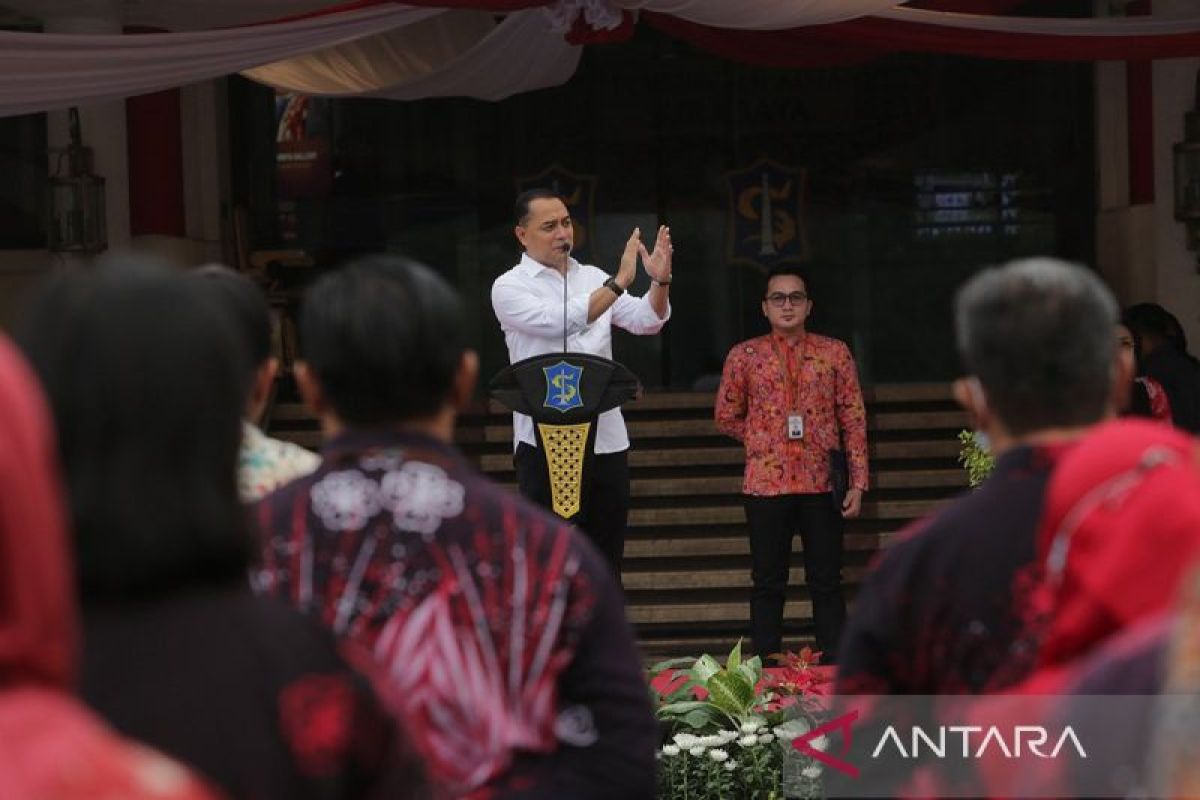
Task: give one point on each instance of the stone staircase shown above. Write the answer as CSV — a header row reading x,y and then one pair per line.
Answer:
x,y
687,556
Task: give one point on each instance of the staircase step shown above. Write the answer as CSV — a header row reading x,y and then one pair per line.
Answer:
x,y
735,515
682,401
720,456
659,648
665,580
726,485
668,547
708,612
707,428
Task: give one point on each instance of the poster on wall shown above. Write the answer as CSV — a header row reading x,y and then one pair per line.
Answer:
x,y
766,215
302,159
579,193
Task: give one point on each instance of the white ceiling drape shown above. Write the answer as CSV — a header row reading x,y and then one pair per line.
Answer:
x,y
457,53
40,71
398,51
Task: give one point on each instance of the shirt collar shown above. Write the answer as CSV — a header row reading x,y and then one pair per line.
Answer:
x,y
359,439
531,267
781,340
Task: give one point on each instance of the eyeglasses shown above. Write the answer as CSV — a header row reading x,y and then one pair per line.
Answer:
x,y
778,299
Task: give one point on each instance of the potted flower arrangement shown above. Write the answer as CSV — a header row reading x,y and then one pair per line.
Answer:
x,y
978,462
728,729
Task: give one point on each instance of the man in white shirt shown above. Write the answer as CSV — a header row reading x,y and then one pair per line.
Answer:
x,y
528,301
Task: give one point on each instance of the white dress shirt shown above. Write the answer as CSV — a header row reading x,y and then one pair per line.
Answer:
x,y
528,301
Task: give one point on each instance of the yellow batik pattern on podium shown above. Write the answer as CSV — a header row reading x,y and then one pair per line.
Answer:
x,y
565,446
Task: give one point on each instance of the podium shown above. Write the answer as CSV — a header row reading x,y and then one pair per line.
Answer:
x,y
564,394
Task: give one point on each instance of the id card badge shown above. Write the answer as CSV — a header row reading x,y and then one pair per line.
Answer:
x,y
795,426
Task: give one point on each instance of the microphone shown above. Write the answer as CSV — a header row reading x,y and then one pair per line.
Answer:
x,y
565,247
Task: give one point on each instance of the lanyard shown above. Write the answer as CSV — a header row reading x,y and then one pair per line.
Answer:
x,y
790,384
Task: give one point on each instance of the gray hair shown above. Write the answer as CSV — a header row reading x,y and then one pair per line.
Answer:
x,y
1038,335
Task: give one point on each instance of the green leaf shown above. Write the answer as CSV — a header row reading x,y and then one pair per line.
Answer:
x,y
686,691
700,718
735,657
749,674
731,693
706,666
681,707
672,663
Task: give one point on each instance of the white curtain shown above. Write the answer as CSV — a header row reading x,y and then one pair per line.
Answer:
x,y
172,15
521,55
458,53
40,71
403,52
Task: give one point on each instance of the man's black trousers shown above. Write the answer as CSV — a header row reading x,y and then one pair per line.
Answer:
x,y
773,522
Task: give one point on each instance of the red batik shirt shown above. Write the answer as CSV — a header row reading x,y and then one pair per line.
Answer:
x,y
753,407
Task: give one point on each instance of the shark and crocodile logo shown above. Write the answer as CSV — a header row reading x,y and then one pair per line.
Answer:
x,y
562,386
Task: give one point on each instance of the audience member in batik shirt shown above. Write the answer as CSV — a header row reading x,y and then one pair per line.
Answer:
x,y
500,629
264,464
147,386
944,608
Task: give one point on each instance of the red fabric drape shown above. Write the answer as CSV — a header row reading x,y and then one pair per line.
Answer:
x,y
869,37
155,139
1139,89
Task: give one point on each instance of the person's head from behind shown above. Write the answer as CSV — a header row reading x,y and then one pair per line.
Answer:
x,y
1154,327
1036,339
146,383
247,306
382,345
786,303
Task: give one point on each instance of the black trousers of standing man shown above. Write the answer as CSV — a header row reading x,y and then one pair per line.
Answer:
x,y
605,508
773,522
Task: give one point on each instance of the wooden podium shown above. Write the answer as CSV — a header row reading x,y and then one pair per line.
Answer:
x,y
564,394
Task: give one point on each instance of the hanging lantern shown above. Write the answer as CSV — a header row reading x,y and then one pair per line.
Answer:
x,y
77,221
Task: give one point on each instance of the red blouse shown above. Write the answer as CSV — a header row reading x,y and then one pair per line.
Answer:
x,y
753,407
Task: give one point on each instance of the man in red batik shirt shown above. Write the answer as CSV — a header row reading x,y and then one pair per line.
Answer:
x,y
791,397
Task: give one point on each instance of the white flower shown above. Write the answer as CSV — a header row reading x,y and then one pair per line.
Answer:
x,y
748,741
711,741
697,751
730,766
811,771
791,729
751,725
686,740
819,743
727,736
670,750
765,738
718,755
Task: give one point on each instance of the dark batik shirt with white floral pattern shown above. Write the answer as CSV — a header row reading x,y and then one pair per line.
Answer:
x,y
501,631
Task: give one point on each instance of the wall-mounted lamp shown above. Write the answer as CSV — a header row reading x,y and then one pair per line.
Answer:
x,y
77,221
